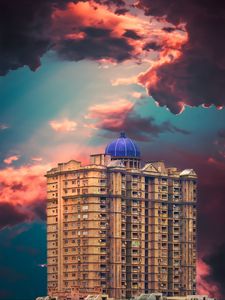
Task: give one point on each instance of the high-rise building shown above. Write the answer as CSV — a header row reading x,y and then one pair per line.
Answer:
x,y
120,227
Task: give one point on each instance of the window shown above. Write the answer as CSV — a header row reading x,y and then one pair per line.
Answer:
x,y
135,259
102,266
102,275
135,235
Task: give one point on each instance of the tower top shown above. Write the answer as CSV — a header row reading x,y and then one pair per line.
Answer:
x,y
123,146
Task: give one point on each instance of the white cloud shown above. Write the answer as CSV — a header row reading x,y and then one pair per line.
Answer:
x,y
124,81
64,125
3,126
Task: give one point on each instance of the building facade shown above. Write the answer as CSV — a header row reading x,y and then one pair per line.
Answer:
x,y
119,227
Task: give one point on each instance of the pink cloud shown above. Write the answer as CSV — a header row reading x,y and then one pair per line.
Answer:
x,y
23,185
203,286
22,194
68,151
11,159
124,81
64,125
111,114
137,95
36,158
122,36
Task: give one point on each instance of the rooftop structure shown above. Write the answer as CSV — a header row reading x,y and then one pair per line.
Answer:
x,y
123,147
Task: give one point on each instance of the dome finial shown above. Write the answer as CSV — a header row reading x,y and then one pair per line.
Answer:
x,y
122,134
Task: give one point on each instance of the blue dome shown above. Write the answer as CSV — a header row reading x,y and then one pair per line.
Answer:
x,y
123,147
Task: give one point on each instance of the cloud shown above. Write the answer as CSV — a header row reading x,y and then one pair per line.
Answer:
x,y
121,11
24,33
205,286
110,114
89,30
11,159
131,34
197,75
220,138
3,126
36,158
121,116
76,30
64,125
124,81
216,261
138,95
97,44
22,194
187,67
11,215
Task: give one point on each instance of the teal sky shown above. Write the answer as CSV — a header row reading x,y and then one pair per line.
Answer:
x,y
62,89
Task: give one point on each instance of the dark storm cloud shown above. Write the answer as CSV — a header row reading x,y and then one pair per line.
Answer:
x,y
11,215
168,29
39,209
121,11
152,46
143,128
216,260
198,76
24,35
131,34
93,48
110,2
221,137
18,187
125,118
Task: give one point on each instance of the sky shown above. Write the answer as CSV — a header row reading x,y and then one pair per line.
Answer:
x,y
73,74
